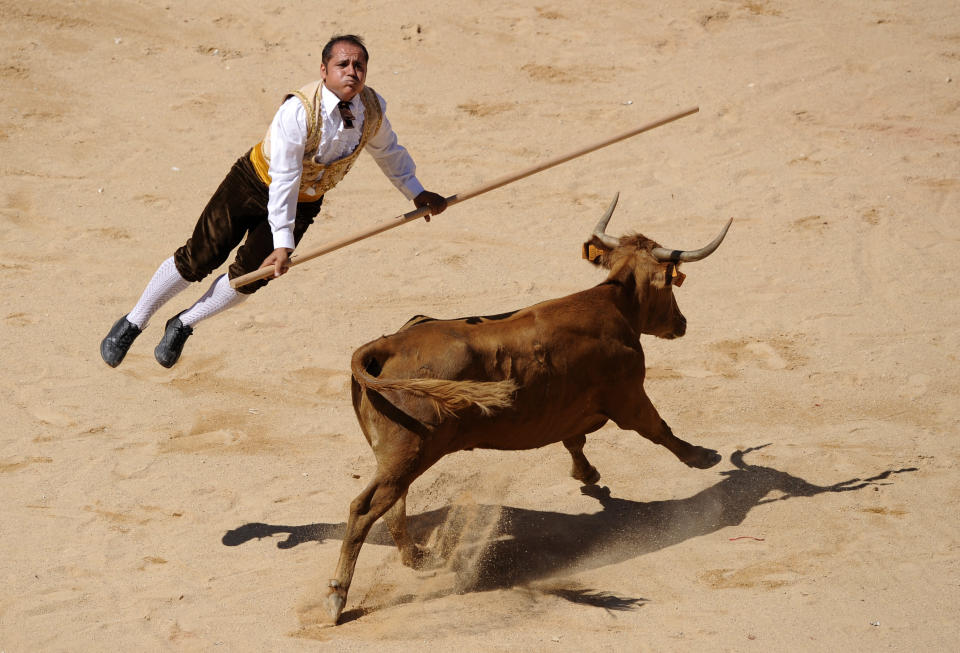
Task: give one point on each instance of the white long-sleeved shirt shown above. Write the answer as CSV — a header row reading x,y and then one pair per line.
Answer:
x,y
288,136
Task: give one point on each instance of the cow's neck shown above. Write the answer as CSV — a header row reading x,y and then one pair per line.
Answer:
x,y
630,302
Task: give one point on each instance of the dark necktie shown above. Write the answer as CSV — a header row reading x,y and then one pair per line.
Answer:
x,y
346,114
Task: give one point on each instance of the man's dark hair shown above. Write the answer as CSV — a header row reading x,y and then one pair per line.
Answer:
x,y
343,38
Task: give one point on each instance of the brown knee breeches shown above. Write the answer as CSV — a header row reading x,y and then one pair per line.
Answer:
x,y
238,208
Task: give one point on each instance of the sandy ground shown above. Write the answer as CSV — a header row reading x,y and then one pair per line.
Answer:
x,y
201,508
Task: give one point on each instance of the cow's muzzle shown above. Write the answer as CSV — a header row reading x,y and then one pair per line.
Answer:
x,y
679,328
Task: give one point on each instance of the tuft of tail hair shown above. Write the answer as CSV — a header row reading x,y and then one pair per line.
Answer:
x,y
449,398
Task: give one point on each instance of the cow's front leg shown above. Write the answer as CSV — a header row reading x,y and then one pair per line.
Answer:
x,y
582,470
645,420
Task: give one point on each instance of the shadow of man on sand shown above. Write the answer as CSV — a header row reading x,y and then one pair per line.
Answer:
x,y
498,547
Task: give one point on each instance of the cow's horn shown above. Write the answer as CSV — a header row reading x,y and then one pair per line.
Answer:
x,y
678,255
610,242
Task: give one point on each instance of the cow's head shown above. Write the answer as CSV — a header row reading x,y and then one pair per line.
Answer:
x,y
649,271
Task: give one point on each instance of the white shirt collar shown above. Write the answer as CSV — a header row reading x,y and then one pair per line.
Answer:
x,y
329,102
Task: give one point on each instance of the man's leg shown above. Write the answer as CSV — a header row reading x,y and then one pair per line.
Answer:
x,y
259,244
165,283
219,297
238,203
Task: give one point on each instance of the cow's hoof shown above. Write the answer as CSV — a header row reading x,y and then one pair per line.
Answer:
x,y
702,458
333,603
417,557
590,477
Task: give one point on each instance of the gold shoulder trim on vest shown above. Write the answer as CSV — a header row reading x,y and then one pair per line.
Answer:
x,y
374,113
311,97
311,116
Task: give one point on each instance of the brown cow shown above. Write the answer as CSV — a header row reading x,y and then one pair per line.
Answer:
x,y
552,372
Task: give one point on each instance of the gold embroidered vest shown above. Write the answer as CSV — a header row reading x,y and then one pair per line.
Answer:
x,y
318,178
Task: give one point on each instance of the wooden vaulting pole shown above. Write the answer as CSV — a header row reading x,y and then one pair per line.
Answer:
x,y
301,257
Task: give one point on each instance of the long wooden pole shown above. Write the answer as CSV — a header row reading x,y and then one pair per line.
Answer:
x,y
301,257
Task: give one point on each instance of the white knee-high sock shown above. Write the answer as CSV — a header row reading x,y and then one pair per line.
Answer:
x,y
166,283
219,297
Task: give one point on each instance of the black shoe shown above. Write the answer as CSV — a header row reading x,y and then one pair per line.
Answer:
x,y
171,345
114,347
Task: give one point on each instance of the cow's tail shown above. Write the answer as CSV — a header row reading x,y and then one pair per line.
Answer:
x,y
448,397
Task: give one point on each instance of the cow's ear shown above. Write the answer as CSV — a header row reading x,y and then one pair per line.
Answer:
x,y
661,276
595,252
668,274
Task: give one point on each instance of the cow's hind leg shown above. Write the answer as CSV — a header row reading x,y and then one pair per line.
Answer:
x,y
582,470
643,418
411,553
378,497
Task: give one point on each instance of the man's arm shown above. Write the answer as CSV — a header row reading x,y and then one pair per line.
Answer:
x,y
288,135
399,167
436,203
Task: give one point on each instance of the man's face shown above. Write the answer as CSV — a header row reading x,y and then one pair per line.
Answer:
x,y
346,71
